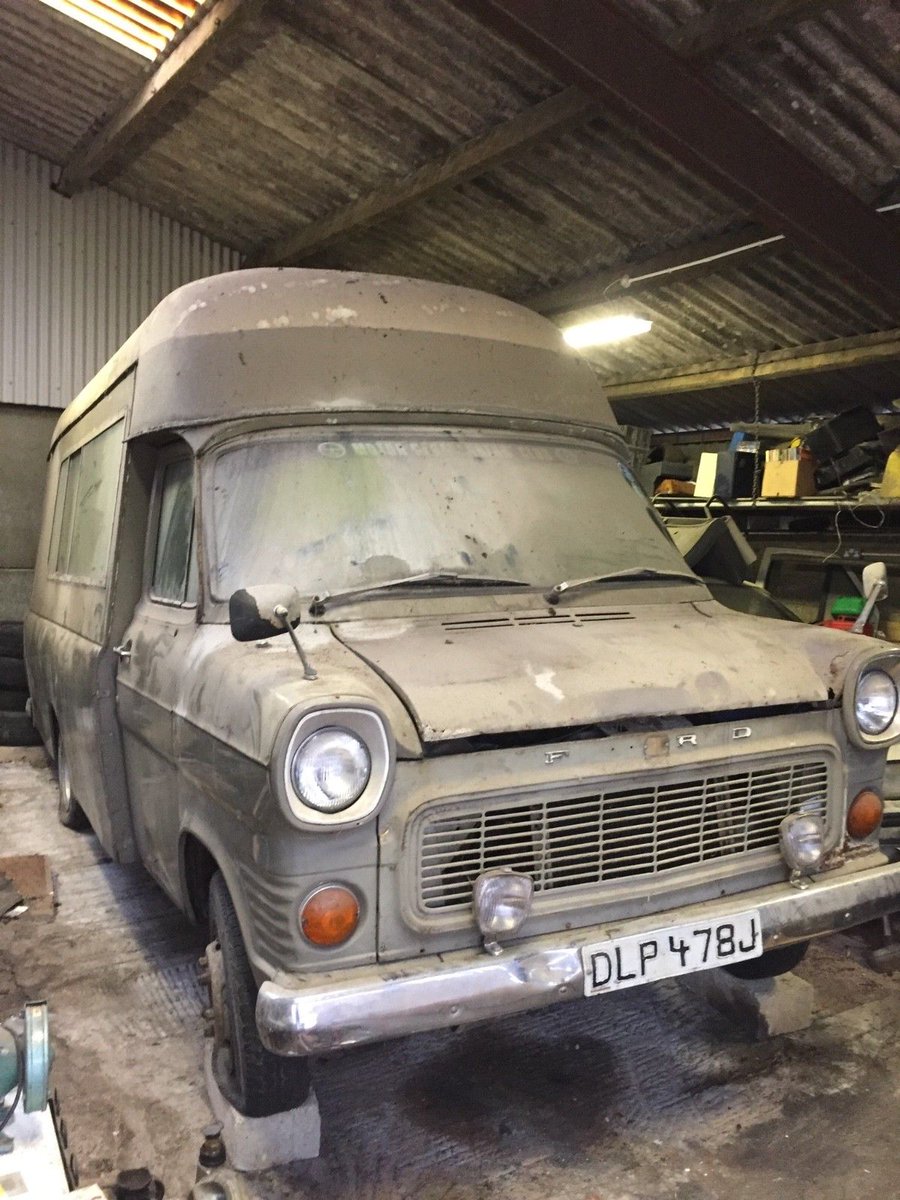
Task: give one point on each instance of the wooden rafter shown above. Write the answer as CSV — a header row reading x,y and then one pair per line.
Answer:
x,y
736,23
839,354
630,277
472,158
139,114
596,45
699,37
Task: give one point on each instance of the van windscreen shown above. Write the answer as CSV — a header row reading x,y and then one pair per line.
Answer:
x,y
330,510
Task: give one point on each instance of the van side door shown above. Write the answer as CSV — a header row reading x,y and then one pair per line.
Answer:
x,y
67,632
153,654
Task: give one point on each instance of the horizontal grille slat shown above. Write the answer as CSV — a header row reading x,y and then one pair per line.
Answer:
x,y
618,832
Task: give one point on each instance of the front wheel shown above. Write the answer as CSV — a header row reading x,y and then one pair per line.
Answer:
x,y
252,1079
69,811
770,963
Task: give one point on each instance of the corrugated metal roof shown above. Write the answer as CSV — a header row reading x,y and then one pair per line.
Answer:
x,y
319,103
828,83
56,78
144,26
770,304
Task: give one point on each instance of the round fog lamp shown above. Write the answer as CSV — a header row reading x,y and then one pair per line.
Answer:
x,y
330,769
501,898
876,702
802,838
329,915
864,814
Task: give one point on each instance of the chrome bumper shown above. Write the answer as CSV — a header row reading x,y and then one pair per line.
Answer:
x,y
327,1011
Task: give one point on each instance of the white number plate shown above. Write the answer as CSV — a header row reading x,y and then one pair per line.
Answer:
x,y
662,953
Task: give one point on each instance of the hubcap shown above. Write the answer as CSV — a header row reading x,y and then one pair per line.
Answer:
x,y
65,782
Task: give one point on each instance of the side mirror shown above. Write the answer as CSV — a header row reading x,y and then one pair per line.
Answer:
x,y
874,579
252,614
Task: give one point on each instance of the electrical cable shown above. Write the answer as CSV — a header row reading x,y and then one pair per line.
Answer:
x,y
851,506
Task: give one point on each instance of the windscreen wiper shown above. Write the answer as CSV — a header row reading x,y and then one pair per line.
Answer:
x,y
431,579
631,575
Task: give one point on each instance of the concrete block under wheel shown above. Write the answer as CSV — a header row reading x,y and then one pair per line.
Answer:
x,y
257,1143
764,1007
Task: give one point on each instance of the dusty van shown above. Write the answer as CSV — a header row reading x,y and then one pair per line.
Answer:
x,y
351,624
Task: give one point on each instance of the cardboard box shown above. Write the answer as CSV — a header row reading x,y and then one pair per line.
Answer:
x,y
788,473
727,474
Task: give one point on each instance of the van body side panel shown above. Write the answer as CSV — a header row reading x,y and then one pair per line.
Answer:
x,y
67,636
269,864
148,684
75,679
38,665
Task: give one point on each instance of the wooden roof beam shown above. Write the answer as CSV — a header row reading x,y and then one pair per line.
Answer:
x,y
737,24
699,37
464,162
139,113
597,46
592,292
638,275
839,354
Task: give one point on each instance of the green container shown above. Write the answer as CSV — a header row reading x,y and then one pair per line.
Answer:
x,y
847,607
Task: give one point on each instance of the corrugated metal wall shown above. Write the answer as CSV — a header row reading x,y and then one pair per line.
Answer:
x,y
77,276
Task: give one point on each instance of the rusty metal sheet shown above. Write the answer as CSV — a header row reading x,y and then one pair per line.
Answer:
x,y
28,877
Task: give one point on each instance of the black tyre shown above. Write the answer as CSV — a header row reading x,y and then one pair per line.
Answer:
x,y
770,963
12,672
69,811
12,700
252,1079
12,639
16,729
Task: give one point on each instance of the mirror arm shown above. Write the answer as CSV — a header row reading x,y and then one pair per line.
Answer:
x,y
282,613
860,623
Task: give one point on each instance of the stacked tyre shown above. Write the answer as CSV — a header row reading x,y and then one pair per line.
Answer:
x,y
16,728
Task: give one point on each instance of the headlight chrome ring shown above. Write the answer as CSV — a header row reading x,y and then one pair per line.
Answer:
x,y
876,702
871,701
332,768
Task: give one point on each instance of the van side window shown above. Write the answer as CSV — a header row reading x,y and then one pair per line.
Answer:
x,y
174,570
85,508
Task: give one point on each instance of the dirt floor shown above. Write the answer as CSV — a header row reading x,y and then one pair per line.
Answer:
x,y
644,1094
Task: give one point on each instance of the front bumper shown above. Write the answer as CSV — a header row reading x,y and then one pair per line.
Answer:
x,y
323,1012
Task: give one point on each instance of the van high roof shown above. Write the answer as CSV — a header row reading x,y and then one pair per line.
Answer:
x,y
280,340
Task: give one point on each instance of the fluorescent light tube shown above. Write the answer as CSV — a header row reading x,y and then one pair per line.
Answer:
x,y
605,330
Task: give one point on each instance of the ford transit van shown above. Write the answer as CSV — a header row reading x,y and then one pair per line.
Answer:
x,y
351,623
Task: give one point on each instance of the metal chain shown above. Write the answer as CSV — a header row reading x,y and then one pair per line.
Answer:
x,y
757,467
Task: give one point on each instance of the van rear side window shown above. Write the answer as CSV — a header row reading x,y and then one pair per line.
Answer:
x,y
85,508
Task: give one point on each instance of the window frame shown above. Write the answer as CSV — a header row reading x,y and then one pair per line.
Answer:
x,y
175,454
59,526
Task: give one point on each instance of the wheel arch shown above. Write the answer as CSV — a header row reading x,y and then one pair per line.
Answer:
x,y
197,864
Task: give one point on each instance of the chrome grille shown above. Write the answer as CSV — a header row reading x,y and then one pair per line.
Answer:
x,y
617,833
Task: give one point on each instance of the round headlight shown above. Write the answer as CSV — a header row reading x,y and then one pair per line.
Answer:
x,y
876,702
330,769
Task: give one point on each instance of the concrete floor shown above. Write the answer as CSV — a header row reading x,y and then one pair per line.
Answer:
x,y
644,1094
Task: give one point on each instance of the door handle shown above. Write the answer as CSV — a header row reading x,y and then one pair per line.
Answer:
x,y
123,651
